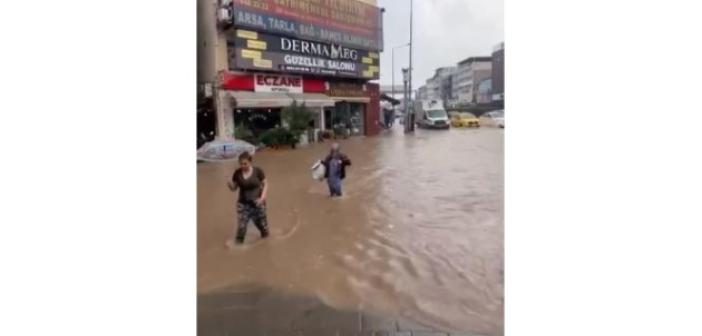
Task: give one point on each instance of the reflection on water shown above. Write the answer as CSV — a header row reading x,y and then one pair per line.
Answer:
x,y
418,233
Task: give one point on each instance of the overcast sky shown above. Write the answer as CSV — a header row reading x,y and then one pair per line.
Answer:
x,y
445,32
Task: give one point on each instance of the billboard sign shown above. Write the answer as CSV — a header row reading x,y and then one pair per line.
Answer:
x,y
260,41
349,23
251,50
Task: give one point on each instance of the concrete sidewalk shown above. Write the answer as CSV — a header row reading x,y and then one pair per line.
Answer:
x,y
265,313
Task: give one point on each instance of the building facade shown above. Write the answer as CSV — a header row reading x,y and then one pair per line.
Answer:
x,y
422,93
498,73
256,57
484,91
440,86
469,74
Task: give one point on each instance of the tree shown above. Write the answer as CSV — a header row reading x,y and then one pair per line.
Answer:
x,y
296,117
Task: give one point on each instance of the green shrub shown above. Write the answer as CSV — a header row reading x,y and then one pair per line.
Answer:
x,y
288,137
297,117
279,137
270,137
242,132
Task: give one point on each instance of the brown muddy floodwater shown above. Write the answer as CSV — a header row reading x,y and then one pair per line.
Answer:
x,y
418,232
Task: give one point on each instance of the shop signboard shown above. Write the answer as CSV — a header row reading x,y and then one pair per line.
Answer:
x,y
239,81
258,51
248,39
277,83
246,59
349,23
345,89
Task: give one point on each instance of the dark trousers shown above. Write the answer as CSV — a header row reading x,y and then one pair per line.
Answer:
x,y
251,212
389,120
334,183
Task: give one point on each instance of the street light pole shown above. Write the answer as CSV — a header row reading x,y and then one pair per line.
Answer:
x,y
393,66
411,127
407,112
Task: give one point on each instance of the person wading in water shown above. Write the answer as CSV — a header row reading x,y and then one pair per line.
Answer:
x,y
253,188
335,169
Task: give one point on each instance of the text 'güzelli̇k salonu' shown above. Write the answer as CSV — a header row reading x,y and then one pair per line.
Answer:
x,y
257,56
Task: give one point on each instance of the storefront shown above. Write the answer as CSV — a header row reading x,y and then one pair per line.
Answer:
x,y
262,111
319,54
256,100
350,108
206,120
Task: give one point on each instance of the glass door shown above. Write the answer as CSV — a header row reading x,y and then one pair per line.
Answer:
x,y
356,118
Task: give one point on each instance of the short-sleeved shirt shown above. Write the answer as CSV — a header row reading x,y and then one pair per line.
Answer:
x,y
250,189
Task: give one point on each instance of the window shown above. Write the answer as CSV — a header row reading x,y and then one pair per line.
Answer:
x,y
436,113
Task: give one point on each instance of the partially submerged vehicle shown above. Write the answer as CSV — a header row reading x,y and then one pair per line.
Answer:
x,y
430,114
493,119
464,119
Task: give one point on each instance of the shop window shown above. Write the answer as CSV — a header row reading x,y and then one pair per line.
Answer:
x,y
258,120
346,116
206,122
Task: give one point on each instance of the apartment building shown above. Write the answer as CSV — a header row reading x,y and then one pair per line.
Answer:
x,y
468,76
498,73
440,86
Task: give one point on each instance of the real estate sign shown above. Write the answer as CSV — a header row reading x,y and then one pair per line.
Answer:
x,y
348,23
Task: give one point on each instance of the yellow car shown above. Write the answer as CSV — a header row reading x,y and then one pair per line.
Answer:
x,y
464,120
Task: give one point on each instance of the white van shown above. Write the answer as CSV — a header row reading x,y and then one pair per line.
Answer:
x,y
430,114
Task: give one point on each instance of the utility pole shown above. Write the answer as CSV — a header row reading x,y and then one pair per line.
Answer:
x,y
393,73
409,123
393,66
405,82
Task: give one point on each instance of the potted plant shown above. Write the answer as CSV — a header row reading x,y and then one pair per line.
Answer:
x,y
277,137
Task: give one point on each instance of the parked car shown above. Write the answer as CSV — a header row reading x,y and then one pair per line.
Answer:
x,y
464,120
493,119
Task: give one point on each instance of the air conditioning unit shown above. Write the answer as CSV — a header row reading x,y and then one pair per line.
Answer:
x,y
207,88
223,16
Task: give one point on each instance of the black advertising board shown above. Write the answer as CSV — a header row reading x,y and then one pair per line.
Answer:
x,y
247,59
251,50
260,41
349,23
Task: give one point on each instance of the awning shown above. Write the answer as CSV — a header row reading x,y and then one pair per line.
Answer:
x,y
312,99
387,98
248,99
364,100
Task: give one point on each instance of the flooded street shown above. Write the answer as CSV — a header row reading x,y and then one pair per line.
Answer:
x,y
417,234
